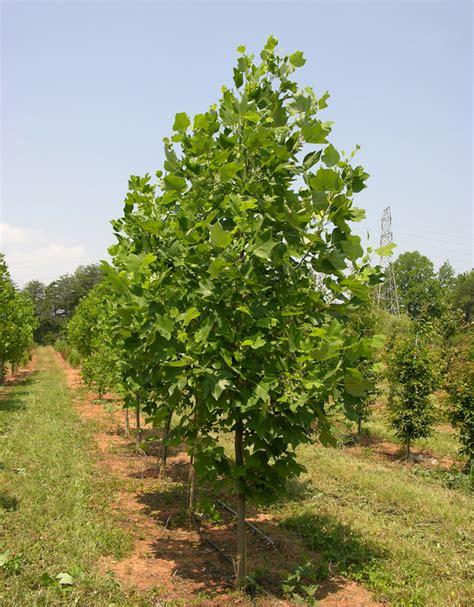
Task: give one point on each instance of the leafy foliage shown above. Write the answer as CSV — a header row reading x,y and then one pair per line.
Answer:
x,y
236,273
55,303
413,376
418,287
90,335
17,321
463,295
460,386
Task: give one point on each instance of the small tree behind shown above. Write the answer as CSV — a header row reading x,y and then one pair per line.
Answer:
x,y
412,378
460,387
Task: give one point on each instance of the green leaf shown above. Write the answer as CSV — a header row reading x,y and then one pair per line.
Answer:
x,y
181,122
173,182
255,342
271,43
252,117
201,122
164,324
263,247
46,580
216,267
326,180
220,237
352,247
325,351
355,384
229,170
386,250
202,333
238,78
378,341
297,59
219,387
190,315
311,159
331,156
241,49
315,132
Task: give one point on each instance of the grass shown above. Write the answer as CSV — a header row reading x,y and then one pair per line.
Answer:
x,y
404,537
404,532
54,512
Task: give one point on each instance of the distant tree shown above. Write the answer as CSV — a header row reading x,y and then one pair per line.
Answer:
x,y
446,276
90,335
460,387
17,321
412,374
419,290
463,294
56,302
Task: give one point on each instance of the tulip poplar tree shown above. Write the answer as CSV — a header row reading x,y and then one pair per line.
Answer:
x,y
17,321
241,269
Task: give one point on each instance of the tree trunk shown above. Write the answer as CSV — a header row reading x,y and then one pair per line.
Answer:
x,y
2,372
127,422
138,436
241,566
407,452
191,485
359,426
164,446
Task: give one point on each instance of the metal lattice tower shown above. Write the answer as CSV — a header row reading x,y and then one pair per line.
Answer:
x,y
387,293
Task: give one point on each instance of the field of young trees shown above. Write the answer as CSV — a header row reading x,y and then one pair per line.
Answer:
x,y
234,352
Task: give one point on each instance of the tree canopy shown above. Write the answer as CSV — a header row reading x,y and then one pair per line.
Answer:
x,y
236,272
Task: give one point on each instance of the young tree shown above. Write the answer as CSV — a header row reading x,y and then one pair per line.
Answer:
x,y
17,321
412,376
238,272
460,387
419,290
463,295
89,333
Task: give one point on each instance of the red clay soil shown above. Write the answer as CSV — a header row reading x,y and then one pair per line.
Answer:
x,y
168,552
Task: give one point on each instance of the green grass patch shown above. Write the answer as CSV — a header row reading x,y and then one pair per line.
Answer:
x,y
55,519
404,537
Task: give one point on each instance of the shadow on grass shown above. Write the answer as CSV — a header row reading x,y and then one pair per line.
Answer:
x,y
8,502
317,545
15,400
339,548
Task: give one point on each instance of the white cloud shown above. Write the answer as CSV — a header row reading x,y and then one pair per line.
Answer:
x,y
14,235
30,254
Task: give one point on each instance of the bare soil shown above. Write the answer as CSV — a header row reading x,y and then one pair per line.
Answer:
x,y
168,552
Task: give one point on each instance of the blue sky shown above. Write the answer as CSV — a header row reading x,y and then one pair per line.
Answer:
x,y
89,90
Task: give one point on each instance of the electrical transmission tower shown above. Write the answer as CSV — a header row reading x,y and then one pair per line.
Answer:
x,y
387,292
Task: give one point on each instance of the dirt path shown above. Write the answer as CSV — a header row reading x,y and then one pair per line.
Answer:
x,y
168,553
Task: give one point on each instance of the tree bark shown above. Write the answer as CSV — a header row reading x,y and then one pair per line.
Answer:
x,y
191,485
241,565
408,452
138,436
164,446
359,426
127,422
